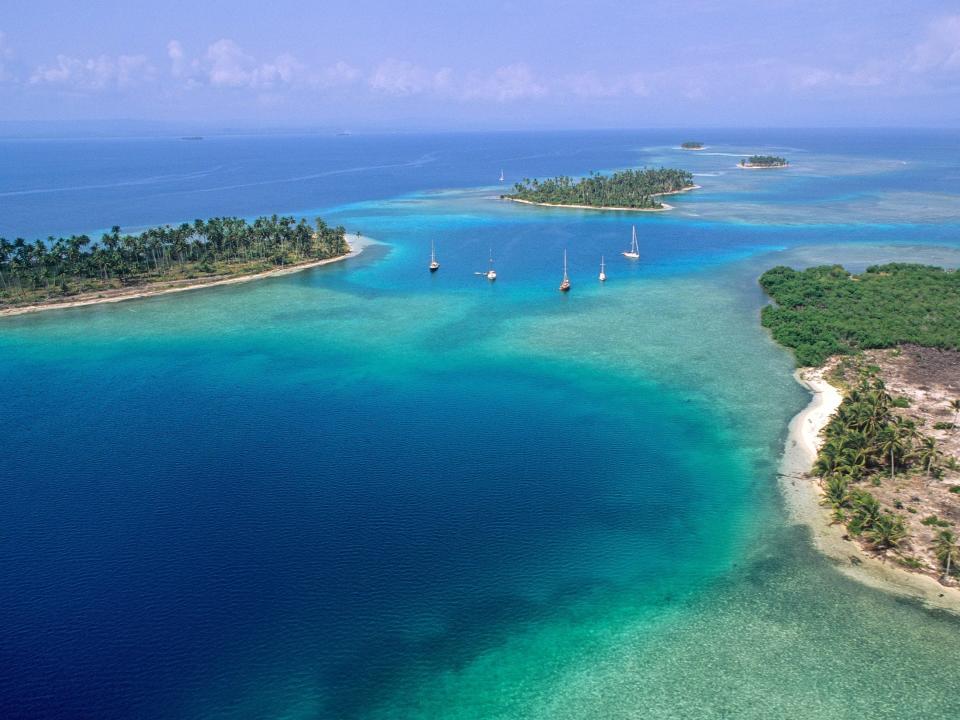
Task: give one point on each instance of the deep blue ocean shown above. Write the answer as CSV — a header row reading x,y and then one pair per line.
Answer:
x,y
366,491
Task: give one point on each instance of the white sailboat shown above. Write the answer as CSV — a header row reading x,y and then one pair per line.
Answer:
x,y
491,273
501,175
603,275
565,283
634,253
434,265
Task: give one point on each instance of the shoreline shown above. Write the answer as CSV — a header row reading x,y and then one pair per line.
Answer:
x,y
663,206
763,167
120,295
803,494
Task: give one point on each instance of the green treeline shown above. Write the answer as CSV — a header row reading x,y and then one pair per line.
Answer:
x,y
57,267
824,311
764,161
691,145
628,188
863,441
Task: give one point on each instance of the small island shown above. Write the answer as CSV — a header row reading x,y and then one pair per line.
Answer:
x,y
691,145
75,270
763,161
881,351
625,190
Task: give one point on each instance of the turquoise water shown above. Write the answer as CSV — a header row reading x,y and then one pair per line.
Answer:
x,y
368,491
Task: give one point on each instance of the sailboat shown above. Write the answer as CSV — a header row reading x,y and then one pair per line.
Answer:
x,y
603,275
501,175
491,273
434,265
565,283
634,253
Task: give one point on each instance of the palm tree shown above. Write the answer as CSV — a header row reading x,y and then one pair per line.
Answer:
x,y
948,554
865,513
927,453
890,442
887,531
955,406
837,492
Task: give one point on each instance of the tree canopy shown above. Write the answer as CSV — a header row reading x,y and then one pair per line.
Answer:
x,y
691,145
824,311
764,161
628,188
57,267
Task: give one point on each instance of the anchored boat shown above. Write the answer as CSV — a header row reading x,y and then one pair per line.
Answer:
x,y
634,252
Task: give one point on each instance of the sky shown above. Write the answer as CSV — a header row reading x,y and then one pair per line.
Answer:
x,y
364,64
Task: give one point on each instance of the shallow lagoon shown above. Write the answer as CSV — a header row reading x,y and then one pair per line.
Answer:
x,y
366,491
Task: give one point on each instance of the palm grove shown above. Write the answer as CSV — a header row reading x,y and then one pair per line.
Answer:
x,y
58,267
628,189
865,440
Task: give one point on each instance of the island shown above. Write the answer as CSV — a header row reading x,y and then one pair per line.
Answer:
x,y
75,270
881,350
624,190
763,161
691,145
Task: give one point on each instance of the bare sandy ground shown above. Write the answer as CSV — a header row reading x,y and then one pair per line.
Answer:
x,y
803,496
357,246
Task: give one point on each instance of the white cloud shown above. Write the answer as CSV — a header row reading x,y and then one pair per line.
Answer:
x,y
594,85
99,73
399,77
339,73
175,53
226,65
940,48
511,82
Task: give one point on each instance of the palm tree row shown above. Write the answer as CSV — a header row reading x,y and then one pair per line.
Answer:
x,y
629,188
67,265
865,437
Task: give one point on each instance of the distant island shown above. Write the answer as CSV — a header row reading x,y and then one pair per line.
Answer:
x,y
77,270
692,145
764,161
625,190
882,430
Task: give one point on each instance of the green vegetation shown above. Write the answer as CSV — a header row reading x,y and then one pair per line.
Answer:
x,y
864,440
692,145
824,311
947,552
627,189
764,161
61,267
